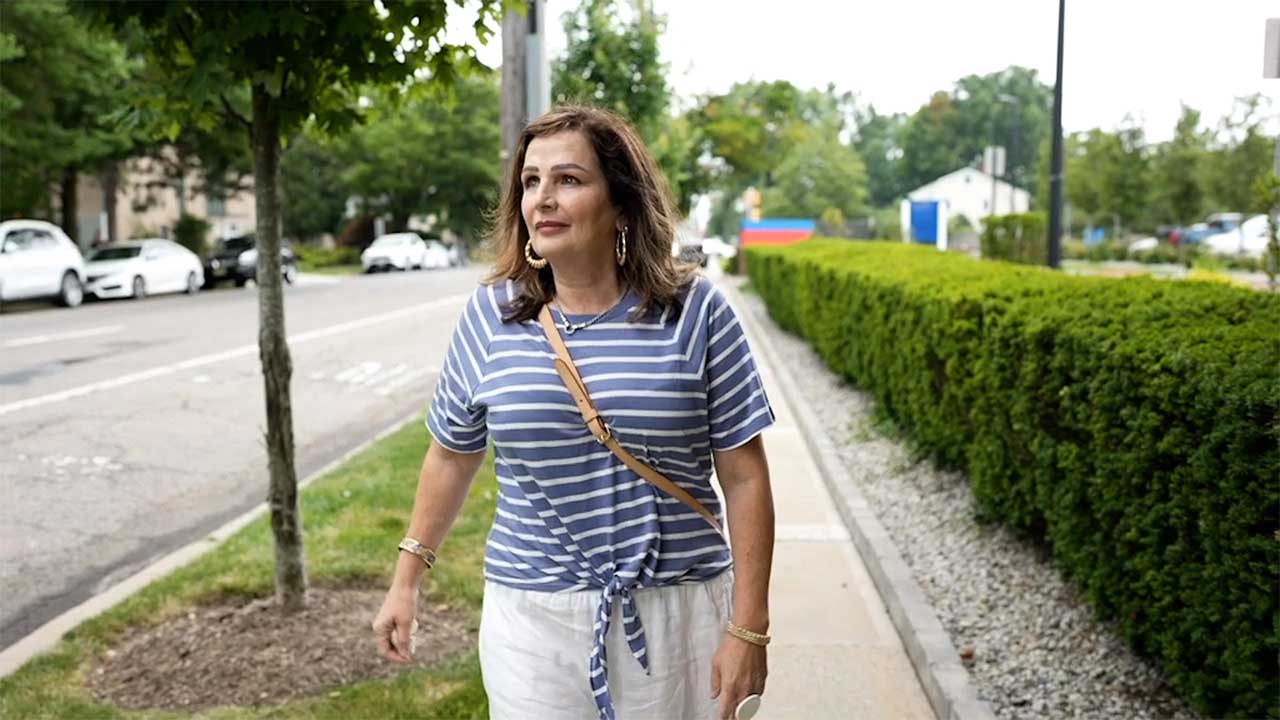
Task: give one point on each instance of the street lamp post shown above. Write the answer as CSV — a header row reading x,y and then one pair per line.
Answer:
x,y
1055,171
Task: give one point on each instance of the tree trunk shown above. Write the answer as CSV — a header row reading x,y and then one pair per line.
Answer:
x,y
110,193
70,204
277,367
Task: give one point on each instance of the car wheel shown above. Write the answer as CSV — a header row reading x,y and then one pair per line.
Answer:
x,y
291,274
139,287
241,281
193,284
70,292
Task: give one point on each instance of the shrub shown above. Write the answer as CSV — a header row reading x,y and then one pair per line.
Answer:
x,y
1131,425
311,257
1017,238
190,232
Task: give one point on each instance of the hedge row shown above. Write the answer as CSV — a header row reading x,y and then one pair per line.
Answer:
x,y
1132,425
1020,238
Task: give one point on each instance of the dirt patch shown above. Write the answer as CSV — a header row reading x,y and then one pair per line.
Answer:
x,y
249,653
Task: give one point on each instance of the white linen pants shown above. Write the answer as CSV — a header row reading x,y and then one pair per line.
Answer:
x,y
534,648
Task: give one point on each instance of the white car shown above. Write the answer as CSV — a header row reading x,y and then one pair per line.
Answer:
x,y
717,246
397,250
1249,238
143,267
438,256
38,260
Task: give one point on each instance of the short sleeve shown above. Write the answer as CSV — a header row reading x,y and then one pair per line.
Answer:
x,y
737,407
454,419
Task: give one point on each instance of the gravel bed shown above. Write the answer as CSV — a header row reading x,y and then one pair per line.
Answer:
x,y
1036,650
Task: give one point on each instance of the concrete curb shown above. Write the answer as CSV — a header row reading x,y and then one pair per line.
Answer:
x,y
944,678
47,636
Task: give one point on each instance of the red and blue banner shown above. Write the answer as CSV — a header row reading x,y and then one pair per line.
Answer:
x,y
775,231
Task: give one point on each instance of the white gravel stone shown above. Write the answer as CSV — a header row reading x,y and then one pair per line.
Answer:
x,y
1038,651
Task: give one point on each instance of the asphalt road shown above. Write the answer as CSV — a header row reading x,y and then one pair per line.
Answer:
x,y
129,429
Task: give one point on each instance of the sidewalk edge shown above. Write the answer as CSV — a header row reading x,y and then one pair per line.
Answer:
x,y
45,637
943,677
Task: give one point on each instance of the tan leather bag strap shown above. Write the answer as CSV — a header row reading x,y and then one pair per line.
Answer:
x,y
596,425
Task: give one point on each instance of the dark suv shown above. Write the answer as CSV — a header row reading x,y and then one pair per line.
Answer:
x,y
236,259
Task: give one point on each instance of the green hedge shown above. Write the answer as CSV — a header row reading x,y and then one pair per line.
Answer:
x,y
1132,425
1019,238
311,257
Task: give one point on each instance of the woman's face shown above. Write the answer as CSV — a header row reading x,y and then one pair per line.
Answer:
x,y
565,203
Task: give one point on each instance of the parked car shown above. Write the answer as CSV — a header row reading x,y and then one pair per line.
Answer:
x,y
1214,224
399,251
1249,238
439,257
142,267
38,260
455,257
236,259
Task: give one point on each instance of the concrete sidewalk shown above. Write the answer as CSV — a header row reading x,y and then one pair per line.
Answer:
x,y
835,651
836,654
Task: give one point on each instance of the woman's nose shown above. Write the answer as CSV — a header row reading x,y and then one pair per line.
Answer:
x,y
546,198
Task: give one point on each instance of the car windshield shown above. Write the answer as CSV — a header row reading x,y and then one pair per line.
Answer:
x,y
386,240
115,253
238,243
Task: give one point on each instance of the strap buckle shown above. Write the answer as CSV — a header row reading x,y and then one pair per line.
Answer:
x,y
602,437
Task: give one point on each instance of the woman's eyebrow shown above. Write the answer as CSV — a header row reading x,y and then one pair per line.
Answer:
x,y
554,168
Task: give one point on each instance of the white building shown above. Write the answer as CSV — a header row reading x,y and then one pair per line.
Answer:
x,y
967,193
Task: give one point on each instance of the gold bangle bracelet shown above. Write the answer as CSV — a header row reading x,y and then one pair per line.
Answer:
x,y
741,633
424,553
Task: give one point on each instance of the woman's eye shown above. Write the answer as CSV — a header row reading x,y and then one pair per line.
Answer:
x,y
569,180
530,182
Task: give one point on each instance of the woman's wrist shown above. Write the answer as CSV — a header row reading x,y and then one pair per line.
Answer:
x,y
756,620
409,572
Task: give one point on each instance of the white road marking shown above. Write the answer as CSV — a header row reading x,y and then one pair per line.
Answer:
x,y
41,339
357,373
162,370
405,379
387,376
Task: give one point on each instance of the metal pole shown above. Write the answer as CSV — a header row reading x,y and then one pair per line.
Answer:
x,y
514,103
1055,172
1008,166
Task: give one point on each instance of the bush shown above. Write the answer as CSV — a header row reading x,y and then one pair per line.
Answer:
x,y
1017,238
311,257
190,232
1131,425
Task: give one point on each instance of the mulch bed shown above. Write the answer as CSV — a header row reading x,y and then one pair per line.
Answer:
x,y
250,653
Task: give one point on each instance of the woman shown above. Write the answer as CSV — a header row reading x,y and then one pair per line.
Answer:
x,y
604,596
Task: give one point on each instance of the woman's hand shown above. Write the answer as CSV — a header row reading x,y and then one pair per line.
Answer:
x,y
395,624
737,670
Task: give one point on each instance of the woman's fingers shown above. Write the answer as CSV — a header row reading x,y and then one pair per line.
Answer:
x,y
393,640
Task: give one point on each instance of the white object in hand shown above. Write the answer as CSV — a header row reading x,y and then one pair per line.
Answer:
x,y
748,708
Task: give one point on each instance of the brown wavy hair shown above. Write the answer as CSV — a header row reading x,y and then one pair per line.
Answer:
x,y
636,187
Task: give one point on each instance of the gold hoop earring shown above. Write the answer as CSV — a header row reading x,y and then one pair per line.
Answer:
x,y
620,248
535,263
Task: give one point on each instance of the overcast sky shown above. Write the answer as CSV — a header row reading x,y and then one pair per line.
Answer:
x,y
1123,57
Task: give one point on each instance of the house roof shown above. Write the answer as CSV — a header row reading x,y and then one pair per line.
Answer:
x,y
975,174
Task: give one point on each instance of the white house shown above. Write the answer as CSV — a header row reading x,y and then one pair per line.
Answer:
x,y
967,192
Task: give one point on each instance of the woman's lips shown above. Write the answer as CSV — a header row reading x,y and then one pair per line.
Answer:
x,y
551,228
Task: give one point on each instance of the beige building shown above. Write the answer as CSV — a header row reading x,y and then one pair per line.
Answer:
x,y
148,205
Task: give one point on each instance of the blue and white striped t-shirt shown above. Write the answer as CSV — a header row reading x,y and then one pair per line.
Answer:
x,y
672,385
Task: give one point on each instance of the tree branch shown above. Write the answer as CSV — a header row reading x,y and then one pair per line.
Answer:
x,y
233,115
